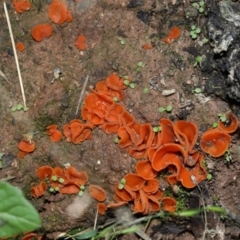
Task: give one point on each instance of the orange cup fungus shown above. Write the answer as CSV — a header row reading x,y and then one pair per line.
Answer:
x,y
54,133
97,193
80,42
230,125
215,142
147,46
39,190
20,46
59,13
21,5
25,148
174,33
41,31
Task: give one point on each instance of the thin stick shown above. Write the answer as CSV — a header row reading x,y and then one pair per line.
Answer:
x,y
15,54
82,92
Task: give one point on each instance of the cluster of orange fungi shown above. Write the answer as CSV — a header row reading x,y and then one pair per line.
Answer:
x,y
57,12
21,5
67,181
174,33
171,150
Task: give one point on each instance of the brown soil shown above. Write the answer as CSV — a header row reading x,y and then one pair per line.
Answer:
x,y
103,22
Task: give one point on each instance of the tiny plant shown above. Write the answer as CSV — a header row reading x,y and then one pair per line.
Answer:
x,y
214,125
128,83
19,107
82,188
200,6
139,66
228,155
146,90
195,31
167,109
222,117
122,183
197,90
116,140
157,129
198,60
209,176
121,40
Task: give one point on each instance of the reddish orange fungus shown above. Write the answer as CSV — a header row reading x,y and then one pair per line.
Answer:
x,y
58,12
54,133
41,31
21,5
20,46
39,190
215,142
80,42
97,193
230,125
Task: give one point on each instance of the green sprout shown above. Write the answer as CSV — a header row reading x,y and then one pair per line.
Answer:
x,y
82,189
209,176
197,90
54,178
121,40
128,83
198,60
222,117
132,85
228,156
116,140
139,66
167,109
51,189
19,107
200,6
214,125
115,99
61,180
195,31
157,129
146,90
122,183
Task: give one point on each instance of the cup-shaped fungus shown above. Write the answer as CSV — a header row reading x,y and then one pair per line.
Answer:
x,y
145,170
20,46
44,172
151,186
80,42
21,5
58,12
54,133
39,190
97,193
230,125
134,181
169,204
215,142
41,31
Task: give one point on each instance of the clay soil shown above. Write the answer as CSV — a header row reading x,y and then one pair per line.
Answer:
x,y
165,67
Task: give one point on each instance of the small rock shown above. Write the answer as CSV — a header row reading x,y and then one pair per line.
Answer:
x,y
135,3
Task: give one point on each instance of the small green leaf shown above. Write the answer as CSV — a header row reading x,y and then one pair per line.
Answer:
x,y
1,154
123,181
120,186
56,189
223,118
116,140
132,85
199,59
201,9
125,77
209,176
80,193
54,178
19,107
82,187
17,215
140,64
25,109
161,109
194,36
122,42
216,209
201,3
61,180
169,108
13,109
126,82
195,5
193,27
51,189
188,213
115,99
156,129
197,90
145,90
214,125
198,30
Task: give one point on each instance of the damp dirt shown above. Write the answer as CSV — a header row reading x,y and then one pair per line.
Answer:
x,y
165,67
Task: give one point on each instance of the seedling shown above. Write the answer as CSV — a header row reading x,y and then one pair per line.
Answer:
x,y
82,188
116,140
157,129
228,155
195,31
222,117
198,60
214,125
122,183
128,83
209,176
18,108
146,90
167,109
139,66
200,6
121,40
197,90
115,99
